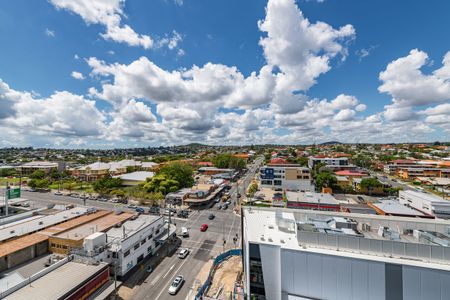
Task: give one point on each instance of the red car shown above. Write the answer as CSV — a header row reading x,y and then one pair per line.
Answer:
x,y
204,227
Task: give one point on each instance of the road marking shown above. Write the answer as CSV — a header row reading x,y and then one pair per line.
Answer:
x,y
165,286
170,269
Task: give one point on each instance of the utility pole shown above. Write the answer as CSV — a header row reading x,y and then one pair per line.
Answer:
x,y
6,198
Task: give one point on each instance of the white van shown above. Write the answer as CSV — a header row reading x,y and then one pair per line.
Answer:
x,y
184,232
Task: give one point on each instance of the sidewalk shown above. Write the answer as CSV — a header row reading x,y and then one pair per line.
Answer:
x,y
139,274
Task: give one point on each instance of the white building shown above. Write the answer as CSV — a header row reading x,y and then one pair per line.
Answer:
x,y
302,254
426,203
126,246
328,161
286,176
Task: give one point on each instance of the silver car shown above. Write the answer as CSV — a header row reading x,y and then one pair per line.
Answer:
x,y
176,285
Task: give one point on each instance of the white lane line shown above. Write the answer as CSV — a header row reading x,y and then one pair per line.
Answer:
x,y
166,285
231,228
170,269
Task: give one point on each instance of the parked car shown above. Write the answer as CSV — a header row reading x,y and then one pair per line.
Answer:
x,y
131,206
238,195
26,204
183,253
183,213
225,207
57,193
360,198
140,210
154,210
219,207
204,227
211,216
176,285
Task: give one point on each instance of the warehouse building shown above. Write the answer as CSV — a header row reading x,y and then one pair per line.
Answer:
x,y
69,281
302,254
311,200
73,238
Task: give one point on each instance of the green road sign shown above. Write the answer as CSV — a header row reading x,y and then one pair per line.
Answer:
x,y
14,193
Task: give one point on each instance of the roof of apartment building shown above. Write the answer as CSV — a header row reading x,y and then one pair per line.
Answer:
x,y
39,164
129,228
349,173
342,234
58,282
311,197
99,224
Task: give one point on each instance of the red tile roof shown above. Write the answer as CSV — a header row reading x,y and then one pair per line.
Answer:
x,y
349,173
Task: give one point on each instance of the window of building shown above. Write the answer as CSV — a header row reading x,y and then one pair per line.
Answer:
x,y
125,254
277,182
150,236
114,255
143,241
149,249
136,246
157,231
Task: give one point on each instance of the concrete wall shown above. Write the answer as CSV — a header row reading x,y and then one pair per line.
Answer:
x,y
41,248
20,256
3,263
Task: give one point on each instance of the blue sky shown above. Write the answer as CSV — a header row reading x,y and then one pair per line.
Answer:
x,y
137,73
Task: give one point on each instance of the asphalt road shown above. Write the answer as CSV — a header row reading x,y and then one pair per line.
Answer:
x,y
202,245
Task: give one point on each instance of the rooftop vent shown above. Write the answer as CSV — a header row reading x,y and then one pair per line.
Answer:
x,y
270,239
282,241
262,237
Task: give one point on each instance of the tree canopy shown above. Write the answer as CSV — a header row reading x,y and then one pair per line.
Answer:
x,y
325,179
38,174
182,173
106,184
227,160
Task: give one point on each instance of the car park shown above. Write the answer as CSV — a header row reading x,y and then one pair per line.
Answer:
x,y
204,227
176,285
57,193
183,253
211,216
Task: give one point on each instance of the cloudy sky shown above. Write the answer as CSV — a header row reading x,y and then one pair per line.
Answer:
x,y
126,73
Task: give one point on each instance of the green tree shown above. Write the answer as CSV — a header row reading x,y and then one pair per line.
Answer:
x,y
182,173
106,184
32,183
161,184
252,189
368,184
42,183
325,179
227,160
38,174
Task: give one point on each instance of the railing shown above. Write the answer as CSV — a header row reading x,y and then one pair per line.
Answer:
x,y
384,248
220,258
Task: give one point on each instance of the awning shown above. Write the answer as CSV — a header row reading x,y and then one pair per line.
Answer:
x,y
162,237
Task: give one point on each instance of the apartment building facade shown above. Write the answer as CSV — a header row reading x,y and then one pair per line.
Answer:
x,y
286,176
328,161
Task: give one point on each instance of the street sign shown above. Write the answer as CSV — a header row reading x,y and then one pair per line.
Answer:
x,y
13,193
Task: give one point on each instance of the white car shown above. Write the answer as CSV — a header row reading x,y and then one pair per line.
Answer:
x,y
183,253
176,285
